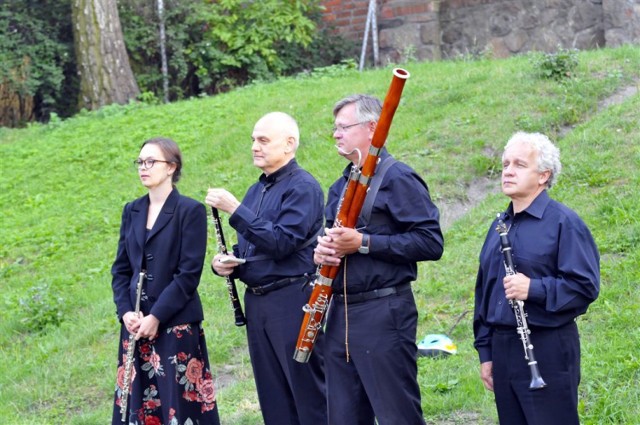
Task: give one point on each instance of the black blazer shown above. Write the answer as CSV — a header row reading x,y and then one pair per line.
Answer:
x,y
174,252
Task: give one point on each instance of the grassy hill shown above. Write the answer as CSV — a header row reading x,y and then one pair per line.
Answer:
x,y
63,185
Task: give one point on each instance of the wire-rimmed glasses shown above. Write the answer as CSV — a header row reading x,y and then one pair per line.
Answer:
x,y
343,128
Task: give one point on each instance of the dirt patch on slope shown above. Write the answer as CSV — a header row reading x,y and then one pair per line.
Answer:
x,y
480,188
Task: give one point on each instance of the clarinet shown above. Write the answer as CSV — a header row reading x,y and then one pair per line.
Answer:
x,y
537,383
231,285
126,385
349,210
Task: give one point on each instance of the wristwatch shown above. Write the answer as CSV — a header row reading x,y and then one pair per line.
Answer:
x,y
364,247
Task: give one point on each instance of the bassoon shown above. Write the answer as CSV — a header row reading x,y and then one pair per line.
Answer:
x,y
349,208
231,285
523,330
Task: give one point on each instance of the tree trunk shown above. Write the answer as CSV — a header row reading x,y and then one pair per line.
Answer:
x,y
163,53
103,64
16,106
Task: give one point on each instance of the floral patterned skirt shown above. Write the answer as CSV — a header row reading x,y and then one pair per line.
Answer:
x,y
171,380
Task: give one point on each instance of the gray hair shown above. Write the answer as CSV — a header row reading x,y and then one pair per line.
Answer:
x,y
548,153
368,108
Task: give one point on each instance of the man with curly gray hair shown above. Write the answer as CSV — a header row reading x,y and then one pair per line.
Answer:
x,y
556,276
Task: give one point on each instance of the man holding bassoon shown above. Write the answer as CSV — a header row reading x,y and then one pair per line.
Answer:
x,y
370,350
277,224
539,270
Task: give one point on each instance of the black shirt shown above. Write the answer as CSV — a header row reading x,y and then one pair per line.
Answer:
x,y
278,215
404,228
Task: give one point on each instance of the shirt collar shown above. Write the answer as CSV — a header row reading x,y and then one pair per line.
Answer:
x,y
536,208
347,169
279,174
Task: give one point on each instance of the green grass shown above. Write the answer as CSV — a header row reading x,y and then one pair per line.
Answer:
x,y
62,189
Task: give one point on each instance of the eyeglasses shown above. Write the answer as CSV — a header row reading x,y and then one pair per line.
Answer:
x,y
343,128
148,163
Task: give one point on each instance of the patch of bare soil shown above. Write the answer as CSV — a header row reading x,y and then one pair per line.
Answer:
x,y
619,96
615,99
452,210
461,418
226,376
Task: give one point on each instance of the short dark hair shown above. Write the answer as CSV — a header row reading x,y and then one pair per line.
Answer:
x,y
171,151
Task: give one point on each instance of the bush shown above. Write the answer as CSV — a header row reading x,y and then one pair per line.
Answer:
x,y
326,49
215,46
140,23
556,66
41,308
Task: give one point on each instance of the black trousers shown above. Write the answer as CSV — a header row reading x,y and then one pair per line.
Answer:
x,y
557,352
379,382
290,393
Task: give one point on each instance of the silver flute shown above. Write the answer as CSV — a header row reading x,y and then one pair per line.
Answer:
x,y
537,382
126,384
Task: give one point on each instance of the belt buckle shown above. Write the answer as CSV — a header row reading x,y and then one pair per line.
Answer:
x,y
256,290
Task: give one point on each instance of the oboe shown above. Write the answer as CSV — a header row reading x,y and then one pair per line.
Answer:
x,y
350,207
537,382
131,347
231,285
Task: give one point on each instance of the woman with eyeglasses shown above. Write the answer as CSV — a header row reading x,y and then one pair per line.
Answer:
x,y
162,244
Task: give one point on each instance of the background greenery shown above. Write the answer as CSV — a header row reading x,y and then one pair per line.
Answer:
x,y
63,185
211,47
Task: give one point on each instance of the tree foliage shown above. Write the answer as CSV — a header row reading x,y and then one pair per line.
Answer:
x,y
243,36
140,27
212,46
36,53
215,46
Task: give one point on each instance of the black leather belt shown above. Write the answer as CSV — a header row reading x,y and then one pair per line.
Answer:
x,y
372,295
269,287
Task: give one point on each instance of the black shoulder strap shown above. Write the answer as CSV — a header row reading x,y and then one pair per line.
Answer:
x,y
374,187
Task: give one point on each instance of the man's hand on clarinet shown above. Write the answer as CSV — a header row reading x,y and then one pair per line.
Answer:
x,y
223,268
222,199
516,287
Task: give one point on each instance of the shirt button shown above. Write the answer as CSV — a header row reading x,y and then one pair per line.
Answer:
x,y
149,277
149,257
